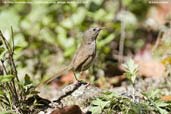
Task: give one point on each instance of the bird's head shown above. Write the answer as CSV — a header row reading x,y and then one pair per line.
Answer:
x,y
91,34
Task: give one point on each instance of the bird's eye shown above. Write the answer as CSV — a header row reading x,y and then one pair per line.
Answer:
x,y
94,29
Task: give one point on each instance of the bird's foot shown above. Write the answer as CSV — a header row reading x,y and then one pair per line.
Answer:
x,y
81,82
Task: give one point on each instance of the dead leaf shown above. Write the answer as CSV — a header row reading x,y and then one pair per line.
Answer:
x,y
148,66
74,109
166,98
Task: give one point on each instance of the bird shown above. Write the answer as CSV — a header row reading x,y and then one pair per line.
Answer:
x,y
84,56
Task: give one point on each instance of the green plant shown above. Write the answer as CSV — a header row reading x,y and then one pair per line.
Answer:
x,y
15,95
131,70
112,103
157,105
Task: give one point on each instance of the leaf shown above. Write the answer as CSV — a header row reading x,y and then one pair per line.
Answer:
x,y
1,50
76,19
1,93
130,20
100,103
95,110
7,112
61,37
105,41
162,111
69,51
99,14
108,95
19,42
127,2
9,16
161,104
34,92
153,94
131,70
27,80
166,60
98,106
17,47
6,78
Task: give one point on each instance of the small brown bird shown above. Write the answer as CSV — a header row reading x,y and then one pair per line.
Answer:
x,y
84,55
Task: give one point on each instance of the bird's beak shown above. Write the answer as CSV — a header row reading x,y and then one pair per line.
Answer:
x,y
99,29
103,28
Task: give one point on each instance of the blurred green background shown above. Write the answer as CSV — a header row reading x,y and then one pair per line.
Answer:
x,y
46,35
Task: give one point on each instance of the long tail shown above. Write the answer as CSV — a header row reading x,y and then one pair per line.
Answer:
x,y
58,74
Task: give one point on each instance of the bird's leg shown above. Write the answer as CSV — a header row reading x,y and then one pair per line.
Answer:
x,y
79,81
75,77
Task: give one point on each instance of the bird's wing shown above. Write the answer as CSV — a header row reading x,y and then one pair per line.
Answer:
x,y
81,56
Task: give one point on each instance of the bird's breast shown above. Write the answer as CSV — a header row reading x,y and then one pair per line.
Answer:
x,y
88,57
